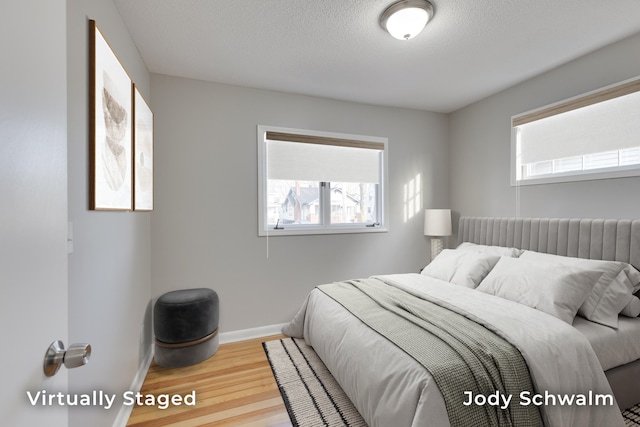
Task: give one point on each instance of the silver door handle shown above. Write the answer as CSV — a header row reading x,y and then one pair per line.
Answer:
x,y
77,355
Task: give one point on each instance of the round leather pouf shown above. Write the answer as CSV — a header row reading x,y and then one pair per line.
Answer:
x,y
185,315
185,323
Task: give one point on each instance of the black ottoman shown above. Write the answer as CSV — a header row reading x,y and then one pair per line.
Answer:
x,y
185,323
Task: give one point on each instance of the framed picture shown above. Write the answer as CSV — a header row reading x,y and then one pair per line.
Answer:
x,y
142,153
110,127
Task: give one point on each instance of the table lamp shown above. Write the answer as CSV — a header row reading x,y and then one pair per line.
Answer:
x,y
437,223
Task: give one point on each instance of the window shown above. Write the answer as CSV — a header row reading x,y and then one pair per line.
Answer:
x,y
593,136
313,182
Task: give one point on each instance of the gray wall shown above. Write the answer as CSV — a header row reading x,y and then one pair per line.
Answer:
x,y
204,227
110,268
480,146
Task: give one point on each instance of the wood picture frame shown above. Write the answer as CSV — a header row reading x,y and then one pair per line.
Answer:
x,y
110,127
142,153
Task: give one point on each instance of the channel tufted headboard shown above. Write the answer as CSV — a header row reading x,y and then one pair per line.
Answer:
x,y
605,239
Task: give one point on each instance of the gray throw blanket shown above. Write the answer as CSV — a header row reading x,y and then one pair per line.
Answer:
x,y
461,355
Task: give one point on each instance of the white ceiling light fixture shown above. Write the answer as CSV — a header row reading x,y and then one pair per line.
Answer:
x,y
405,19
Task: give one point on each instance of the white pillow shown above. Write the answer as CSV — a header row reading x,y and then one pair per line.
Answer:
x,y
555,289
633,308
609,296
464,268
490,250
634,276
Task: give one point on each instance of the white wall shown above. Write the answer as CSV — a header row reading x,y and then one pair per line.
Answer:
x,y
109,270
480,146
204,227
33,205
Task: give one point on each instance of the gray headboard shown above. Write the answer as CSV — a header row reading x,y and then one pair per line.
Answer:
x,y
610,239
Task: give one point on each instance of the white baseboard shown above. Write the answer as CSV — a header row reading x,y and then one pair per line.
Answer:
x,y
125,410
247,334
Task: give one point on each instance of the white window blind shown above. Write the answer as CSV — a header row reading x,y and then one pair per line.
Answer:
x,y
311,158
605,126
593,132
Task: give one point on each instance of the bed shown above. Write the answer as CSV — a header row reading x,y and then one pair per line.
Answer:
x,y
566,355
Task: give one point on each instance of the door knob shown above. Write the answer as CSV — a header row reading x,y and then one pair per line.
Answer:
x,y
77,355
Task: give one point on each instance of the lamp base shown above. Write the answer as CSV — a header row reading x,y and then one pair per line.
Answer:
x,y
436,247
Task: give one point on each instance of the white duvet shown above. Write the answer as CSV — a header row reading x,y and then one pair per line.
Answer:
x,y
389,388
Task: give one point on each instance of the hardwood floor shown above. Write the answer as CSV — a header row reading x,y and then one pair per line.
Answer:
x,y
235,387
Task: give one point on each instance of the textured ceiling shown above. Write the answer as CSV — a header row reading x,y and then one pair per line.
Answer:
x,y
337,49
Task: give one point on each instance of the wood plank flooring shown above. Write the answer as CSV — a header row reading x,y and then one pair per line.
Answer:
x,y
235,387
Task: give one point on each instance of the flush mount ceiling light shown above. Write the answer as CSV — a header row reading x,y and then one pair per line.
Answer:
x,y
407,18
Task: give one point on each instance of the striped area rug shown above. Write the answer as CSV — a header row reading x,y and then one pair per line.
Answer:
x,y
310,393
632,416
314,398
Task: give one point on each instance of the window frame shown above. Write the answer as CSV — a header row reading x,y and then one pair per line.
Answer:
x,y
590,98
265,230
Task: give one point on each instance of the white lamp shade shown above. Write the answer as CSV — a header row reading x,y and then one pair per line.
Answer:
x,y
437,222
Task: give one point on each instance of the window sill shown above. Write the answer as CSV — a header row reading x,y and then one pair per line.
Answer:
x,y
590,175
308,231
